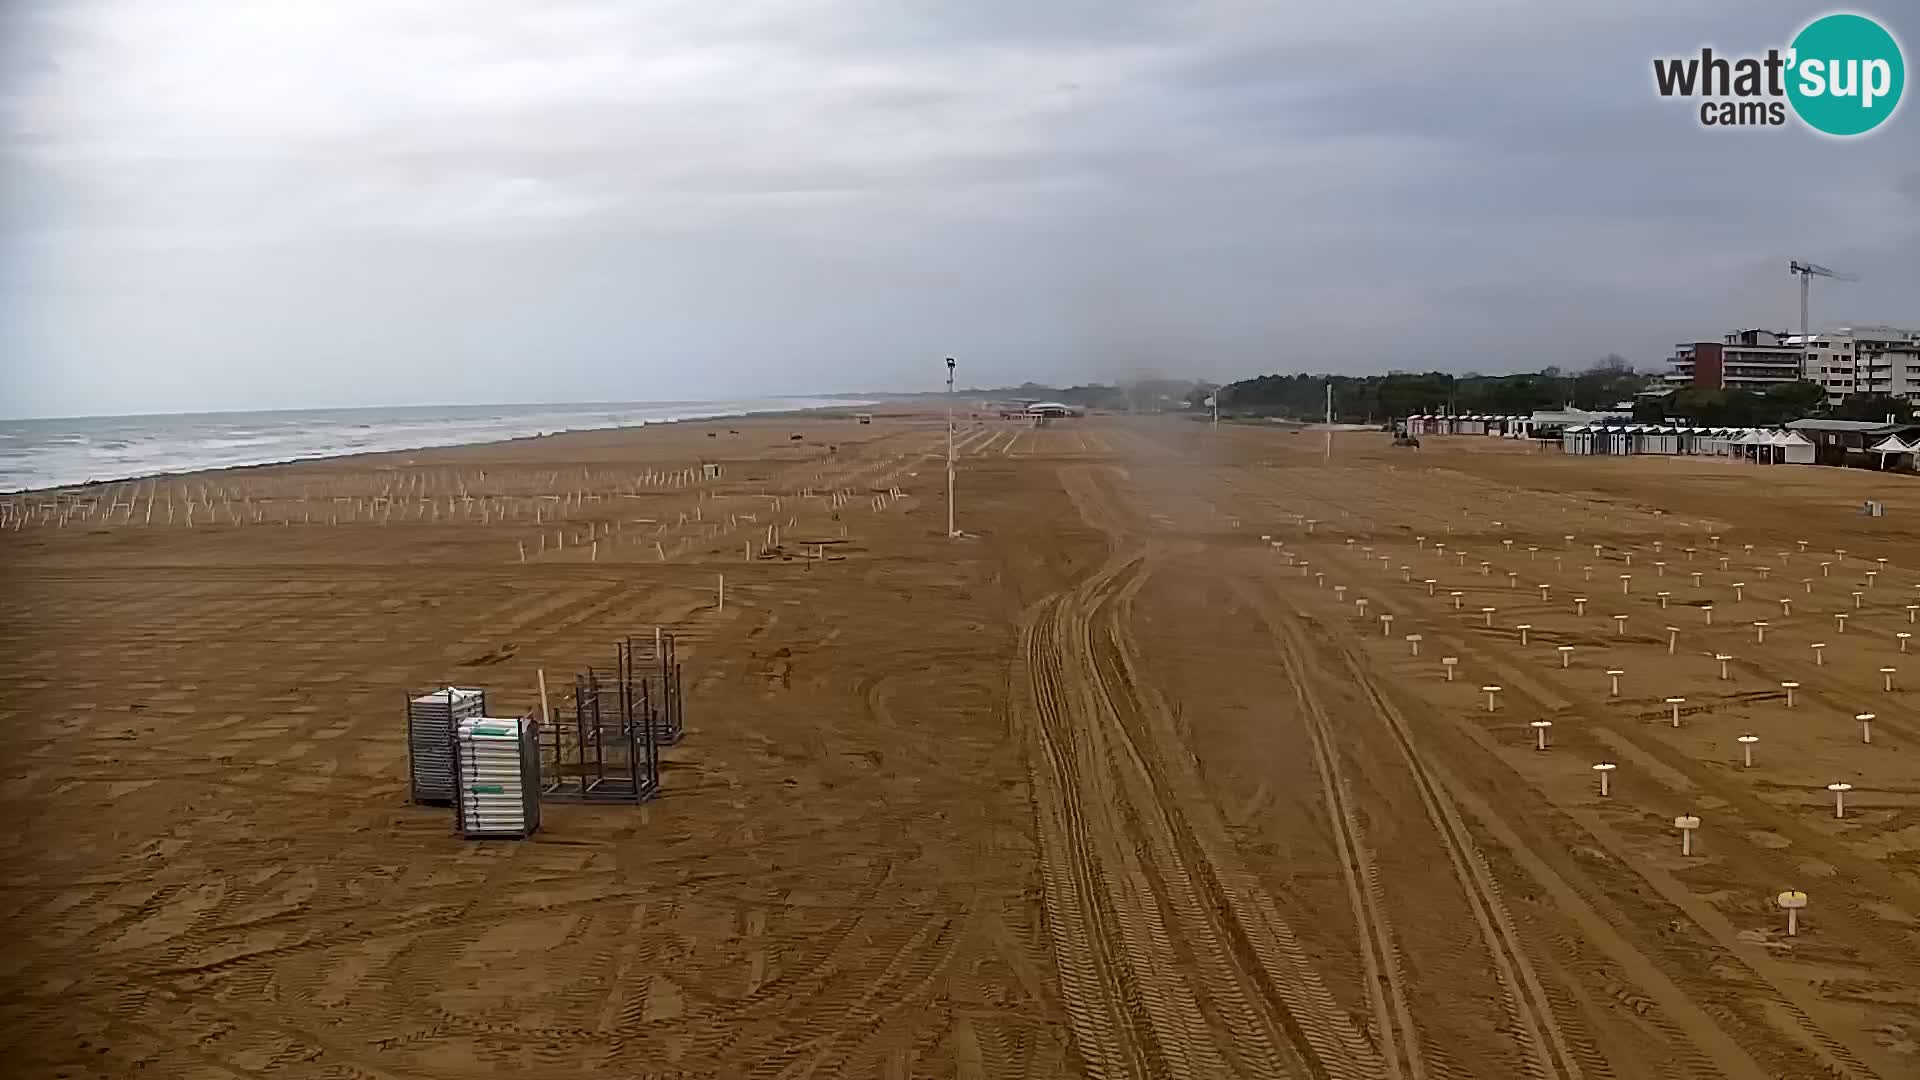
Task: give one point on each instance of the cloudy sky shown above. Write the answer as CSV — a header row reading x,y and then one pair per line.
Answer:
x,y
231,204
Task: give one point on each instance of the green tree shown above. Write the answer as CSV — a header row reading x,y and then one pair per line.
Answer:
x,y
1796,399
1873,408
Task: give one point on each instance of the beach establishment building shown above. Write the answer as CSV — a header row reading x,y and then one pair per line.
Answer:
x,y
1051,410
1853,442
1036,410
1801,442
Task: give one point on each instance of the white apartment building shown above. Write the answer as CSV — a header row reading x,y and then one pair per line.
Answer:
x,y
1829,362
1887,361
1863,360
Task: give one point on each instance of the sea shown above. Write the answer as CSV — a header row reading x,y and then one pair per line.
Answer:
x,y
48,453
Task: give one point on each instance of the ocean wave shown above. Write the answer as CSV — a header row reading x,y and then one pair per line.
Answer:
x,y
177,444
235,444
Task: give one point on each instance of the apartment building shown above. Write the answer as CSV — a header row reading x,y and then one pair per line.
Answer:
x,y
1887,361
1829,362
1848,360
1754,360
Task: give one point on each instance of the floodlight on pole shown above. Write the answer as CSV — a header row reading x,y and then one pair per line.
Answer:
x,y
952,531
1329,419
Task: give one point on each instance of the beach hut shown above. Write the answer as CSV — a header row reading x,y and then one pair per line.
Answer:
x,y
1577,440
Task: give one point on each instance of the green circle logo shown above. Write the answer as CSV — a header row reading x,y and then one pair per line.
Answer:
x,y
1847,75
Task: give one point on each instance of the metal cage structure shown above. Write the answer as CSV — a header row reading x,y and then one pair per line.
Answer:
x,y
662,684
604,747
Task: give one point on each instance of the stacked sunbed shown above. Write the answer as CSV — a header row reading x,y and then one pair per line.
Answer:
x,y
431,719
497,762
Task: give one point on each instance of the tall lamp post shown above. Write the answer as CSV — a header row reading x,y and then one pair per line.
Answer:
x,y
951,531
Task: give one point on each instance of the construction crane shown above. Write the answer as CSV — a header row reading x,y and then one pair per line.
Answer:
x,y
1807,272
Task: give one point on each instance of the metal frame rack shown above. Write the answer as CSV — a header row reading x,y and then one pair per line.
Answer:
x,y
663,686
604,746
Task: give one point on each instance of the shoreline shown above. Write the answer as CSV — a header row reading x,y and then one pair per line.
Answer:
x,y
308,459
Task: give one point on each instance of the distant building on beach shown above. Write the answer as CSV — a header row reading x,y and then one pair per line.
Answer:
x,y
1858,443
1037,410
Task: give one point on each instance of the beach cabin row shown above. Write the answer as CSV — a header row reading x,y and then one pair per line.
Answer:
x,y
1506,427
1766,447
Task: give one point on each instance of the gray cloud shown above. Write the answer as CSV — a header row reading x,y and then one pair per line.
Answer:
x,y
214,205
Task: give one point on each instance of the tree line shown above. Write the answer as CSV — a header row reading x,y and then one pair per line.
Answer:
x,y
1604,386
1608,384
1379,399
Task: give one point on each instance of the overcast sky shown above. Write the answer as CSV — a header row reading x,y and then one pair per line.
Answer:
x,y
233,204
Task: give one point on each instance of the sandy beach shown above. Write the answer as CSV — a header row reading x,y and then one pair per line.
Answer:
x,y
1124,782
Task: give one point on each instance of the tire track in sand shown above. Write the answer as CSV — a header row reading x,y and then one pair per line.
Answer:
x,y
1173,962
1549,1052
1380,950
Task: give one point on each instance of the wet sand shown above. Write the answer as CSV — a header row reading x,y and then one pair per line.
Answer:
x,y
1111,786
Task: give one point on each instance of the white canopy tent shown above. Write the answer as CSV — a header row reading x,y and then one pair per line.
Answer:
x,y
1795,448
1891,448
